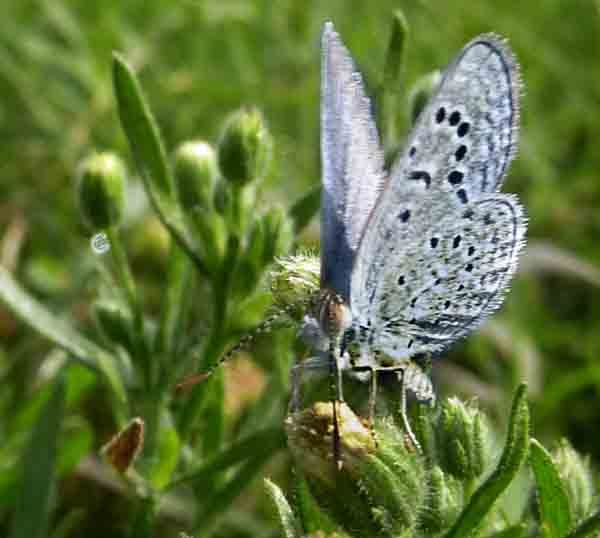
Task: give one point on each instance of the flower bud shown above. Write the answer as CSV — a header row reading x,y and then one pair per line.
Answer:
x,y
421,92
244,150
123,449
463,440
101,190
380,487
444,503
196,173
576,476
294,281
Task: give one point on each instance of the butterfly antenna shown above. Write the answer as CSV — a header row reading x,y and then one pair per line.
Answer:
x,y
243,343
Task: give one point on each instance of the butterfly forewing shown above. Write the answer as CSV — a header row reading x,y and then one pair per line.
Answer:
x,y
466,136
352,162
440,247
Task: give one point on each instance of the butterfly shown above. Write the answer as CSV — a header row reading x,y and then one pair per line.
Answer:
x,y
416,257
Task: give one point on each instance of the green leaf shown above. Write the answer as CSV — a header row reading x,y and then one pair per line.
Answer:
x,y
167,453
589,527
306,208
513,456
394,57
516,531
150,156
214,414
173,308
288,523
249,312
60,331
552,498
75,443
221,500
71,521
267,441
142,525
33,502
310,515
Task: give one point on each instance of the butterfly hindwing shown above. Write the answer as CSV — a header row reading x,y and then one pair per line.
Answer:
x,y
352,162
441,276
432,264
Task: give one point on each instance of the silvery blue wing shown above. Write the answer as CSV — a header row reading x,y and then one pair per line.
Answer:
x,y
441,246
352,162
415,259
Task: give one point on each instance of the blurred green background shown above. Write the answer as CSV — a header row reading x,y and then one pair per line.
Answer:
x,y
200,60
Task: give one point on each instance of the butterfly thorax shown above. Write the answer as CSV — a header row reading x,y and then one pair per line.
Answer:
x,y
328,316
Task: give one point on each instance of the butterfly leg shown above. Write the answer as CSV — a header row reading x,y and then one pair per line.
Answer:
x,y
403,415
337,395
373,397
311,363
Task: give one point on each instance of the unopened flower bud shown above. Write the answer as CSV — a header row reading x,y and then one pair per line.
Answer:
x,y
463,439
123,449
294,281
445,500
379,488
244,151
196,174
576,476
101,190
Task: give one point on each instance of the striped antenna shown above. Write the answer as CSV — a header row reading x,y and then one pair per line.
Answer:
x,y
265,326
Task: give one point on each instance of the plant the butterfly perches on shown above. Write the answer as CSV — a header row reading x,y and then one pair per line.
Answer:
x,y
416,257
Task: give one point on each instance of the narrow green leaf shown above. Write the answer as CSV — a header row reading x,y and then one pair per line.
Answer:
x,y
69,523
589,527
178,282
59,331
33,502
288,523
143,522
516,531
76,442
393,59
306,208
150,156
267,441
513,456
311,517
222,499
167,453
552,498
143,133
214,415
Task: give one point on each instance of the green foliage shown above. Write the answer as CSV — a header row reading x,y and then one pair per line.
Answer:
x,y
105,338
387,488
38,467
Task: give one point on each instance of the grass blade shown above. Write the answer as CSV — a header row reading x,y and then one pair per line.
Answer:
x,y
285,516
589,527
267,441
513,456
33,502
306,208
60,332
552,498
